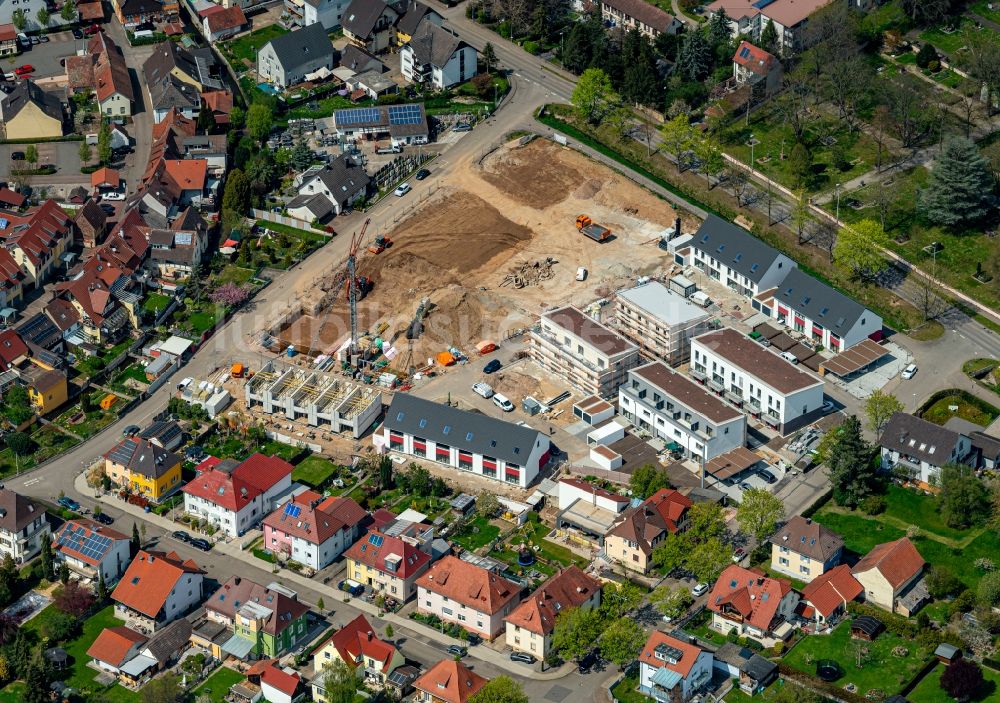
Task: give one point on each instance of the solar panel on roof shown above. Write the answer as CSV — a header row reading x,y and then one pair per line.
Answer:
x,y
183,238
375,540
292,510
744,52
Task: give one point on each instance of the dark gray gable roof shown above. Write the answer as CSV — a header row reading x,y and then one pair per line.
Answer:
x,y
25,92
319,205
359,60
302,46
434,45
916,437
169,641
735,247
759,669
173,92
361,16
987,444
473,432
822,304
162,430
413,14
343,178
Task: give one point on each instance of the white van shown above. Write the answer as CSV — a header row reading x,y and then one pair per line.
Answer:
x,y
789,357
581,274
502,402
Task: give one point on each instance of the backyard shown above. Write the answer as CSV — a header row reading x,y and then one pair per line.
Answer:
x,y
239,447
476,533
246,47
929,689
887,664
282,248
218,684
314,471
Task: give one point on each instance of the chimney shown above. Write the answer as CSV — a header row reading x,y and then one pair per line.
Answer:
x,y
237,580
369,635
677,226
809,521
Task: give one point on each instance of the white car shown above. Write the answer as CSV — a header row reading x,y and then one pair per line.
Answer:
x,y
909,372
483,389
114,196
699,590
502,402
402,190
581,274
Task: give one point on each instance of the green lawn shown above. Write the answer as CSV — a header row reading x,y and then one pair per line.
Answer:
x,y
218,684
947,42
321,108
978,413
981,8
94,421
310,237
477,532
234,274
246,47
205,319
626,690
881,670
155,302
915,508
929,689
314,471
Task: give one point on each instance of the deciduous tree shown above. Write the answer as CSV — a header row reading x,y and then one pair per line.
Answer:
x,y
500,689
74,599
594,97
622,641
759,513
487,504
340,683
858,250
964,500
576,632
962,679
647,480
258,121
68,11
879,408
671,602
620,599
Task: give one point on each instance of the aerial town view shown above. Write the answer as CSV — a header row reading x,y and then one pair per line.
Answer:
x,y
500,351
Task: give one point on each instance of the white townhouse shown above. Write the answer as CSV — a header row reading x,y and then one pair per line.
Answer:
x,y
22,525
466,441
582,352
468,595
736,258
678,410
672,671
790,18
660,321
827,316
732,365
235,497
920,448
436,57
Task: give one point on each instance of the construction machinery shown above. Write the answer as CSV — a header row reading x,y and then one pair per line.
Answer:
x,y
380,244
413,331
588,228
353,281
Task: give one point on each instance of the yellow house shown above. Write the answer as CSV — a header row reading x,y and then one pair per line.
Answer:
x,y
143,468
30,112
48,390
357,645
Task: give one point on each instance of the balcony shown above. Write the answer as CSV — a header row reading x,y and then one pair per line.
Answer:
x,y
564,355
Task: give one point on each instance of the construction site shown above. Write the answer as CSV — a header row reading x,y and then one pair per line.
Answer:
x,y
498,242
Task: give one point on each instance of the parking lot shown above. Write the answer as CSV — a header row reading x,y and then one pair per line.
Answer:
x,y
65,156
45,57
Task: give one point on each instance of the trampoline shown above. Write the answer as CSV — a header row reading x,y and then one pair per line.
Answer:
x,y
525,557
828,670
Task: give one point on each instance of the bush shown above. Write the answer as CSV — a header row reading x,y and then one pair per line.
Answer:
x,y
531,47
60,627
873,505
934,66
941,583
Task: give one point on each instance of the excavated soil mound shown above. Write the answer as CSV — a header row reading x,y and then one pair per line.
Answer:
x,y
532,175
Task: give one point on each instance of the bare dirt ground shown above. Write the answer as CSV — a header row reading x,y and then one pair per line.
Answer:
x,y
519,206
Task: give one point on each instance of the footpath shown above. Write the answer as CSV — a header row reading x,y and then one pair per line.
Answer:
x,y
400,624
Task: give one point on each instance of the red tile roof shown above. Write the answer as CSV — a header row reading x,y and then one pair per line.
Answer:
x,y
263,471
469,585
569,588
12,347
150,578
312,524
114,644
188,174
105,177
749,593
229,18
450,681
236,489
356,639
828,591
689,653
662,511
365,551
90,11
897,561
10,197
277,679
754,59
8,32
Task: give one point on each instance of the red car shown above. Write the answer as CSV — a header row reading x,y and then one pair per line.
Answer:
x,y
24,69
93,29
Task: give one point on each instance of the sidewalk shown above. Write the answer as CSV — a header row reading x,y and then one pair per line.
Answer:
x,y
401,625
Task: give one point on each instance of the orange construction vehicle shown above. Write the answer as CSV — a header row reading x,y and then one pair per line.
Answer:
x,y
380,244
599,233
237,371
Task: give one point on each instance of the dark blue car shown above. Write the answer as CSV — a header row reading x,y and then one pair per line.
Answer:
x,y
492,367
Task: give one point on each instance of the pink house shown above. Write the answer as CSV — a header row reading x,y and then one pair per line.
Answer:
x,y
313,530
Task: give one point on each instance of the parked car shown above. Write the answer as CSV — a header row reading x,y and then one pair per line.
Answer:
x,y
17,156
502,402
104,518
739,554
457,650
909,372
77,34
483,389
93,29
194,453
522,657
24,69
767,476
589,662
113,196
463,127
181,536
492,367
35,41
44,38
108,209
352,587
402,190
744,486
699,589
130,430
69,504
422,174
202,544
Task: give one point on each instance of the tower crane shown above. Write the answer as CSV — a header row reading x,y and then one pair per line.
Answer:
x,y
352,281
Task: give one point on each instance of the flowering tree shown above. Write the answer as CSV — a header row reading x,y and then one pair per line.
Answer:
x,y
230,295
74,599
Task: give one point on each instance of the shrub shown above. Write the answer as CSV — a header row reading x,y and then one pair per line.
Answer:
x,y
873,505
531,47
934,66
926,54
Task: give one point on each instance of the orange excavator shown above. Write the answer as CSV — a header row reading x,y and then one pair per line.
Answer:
x,y
380,244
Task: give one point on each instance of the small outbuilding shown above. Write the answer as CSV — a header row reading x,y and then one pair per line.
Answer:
x,y
947,653
866,627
